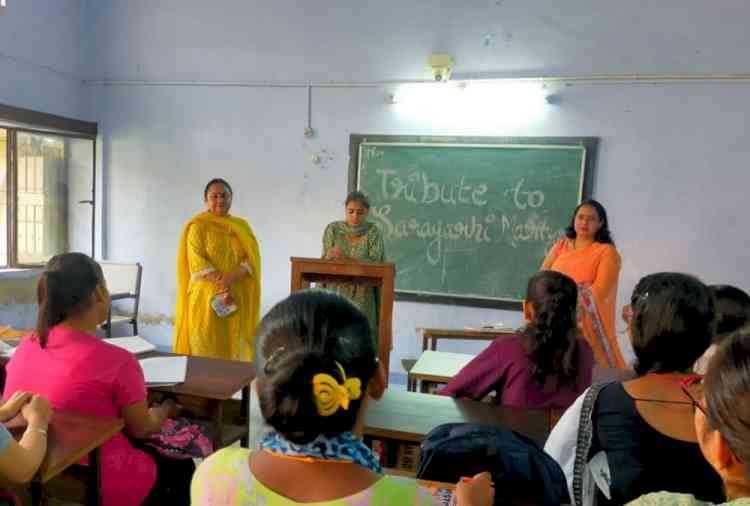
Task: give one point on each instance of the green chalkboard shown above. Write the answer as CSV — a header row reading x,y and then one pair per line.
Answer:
x,y
470,220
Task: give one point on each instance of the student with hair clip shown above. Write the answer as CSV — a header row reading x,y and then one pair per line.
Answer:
x,y
623,439
546,365
316,366
721,409
733,313
65,361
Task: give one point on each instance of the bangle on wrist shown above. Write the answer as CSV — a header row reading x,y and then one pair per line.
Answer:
x,y
37,430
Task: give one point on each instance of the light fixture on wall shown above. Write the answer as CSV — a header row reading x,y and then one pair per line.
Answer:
x,y
441,65
474,105
506,99
487,95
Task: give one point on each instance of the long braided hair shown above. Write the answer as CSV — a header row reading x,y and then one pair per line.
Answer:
x,y
551,338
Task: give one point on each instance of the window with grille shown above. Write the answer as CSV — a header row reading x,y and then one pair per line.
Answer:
x,y
46,195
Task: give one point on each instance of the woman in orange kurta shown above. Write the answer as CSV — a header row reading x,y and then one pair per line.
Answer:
x,y
588,255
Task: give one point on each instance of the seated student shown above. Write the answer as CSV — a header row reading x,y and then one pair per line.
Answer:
x,y
624,439
547,365
721,403
64,361
19,461
316,364
733,313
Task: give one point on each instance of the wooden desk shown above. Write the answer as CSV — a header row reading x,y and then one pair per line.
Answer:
x,y
315,270
436,367
208,385
409,416
432,335
70,437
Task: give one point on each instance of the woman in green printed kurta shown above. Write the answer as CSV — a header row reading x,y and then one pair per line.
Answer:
x,y
356,239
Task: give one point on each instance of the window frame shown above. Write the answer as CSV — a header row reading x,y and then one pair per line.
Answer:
x,y
16,120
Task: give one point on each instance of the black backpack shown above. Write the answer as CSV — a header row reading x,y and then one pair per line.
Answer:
x,y
520,470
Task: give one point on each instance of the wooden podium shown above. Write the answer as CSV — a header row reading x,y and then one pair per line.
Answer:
x,y
315,270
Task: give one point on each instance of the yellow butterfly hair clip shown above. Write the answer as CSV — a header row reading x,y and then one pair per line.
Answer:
x,y
330,395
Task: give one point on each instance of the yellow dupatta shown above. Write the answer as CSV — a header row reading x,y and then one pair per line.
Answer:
x,y
241,229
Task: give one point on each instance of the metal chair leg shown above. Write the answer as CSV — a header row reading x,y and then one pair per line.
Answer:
x,y
38,496
95,478
108,327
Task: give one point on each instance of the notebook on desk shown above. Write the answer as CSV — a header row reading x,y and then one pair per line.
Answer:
x,y
164,371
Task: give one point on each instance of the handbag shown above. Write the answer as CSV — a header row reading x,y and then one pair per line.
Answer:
x,y
181,438
520,469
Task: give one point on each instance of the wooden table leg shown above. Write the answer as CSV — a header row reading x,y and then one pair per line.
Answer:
x,y
37,493
245,415
217,423
95,484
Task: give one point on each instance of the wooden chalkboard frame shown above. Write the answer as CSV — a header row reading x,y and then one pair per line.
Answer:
x,y
591,144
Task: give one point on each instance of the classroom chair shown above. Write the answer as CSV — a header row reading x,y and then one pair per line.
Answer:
x,y
123,282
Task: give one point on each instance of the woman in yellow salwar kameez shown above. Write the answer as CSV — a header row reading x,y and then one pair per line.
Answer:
x,y
218,260
588,255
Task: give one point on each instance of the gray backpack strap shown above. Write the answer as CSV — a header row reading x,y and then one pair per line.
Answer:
x,y
584,439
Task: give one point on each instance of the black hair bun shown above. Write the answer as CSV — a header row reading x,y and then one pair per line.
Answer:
x,y
287,399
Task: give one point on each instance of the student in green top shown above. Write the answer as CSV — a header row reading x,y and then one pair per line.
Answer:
x,y
316,366
722,423
357,239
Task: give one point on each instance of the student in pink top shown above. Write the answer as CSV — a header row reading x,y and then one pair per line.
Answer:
x,y
546,365
66,363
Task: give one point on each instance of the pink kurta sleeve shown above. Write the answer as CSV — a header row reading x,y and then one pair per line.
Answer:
x,y
129,386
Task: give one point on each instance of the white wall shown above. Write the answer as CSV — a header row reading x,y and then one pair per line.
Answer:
x,y
43,56
292,40
672,165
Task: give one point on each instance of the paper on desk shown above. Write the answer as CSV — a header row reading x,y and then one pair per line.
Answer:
x,y
6,350
161,371
491,326
133,344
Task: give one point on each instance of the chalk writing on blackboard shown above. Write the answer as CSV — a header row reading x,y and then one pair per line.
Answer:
x,y
472,220
476,229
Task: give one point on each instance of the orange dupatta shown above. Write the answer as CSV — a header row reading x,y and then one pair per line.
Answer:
x,y
596,270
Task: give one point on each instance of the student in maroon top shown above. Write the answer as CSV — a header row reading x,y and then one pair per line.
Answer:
x,y
547,364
